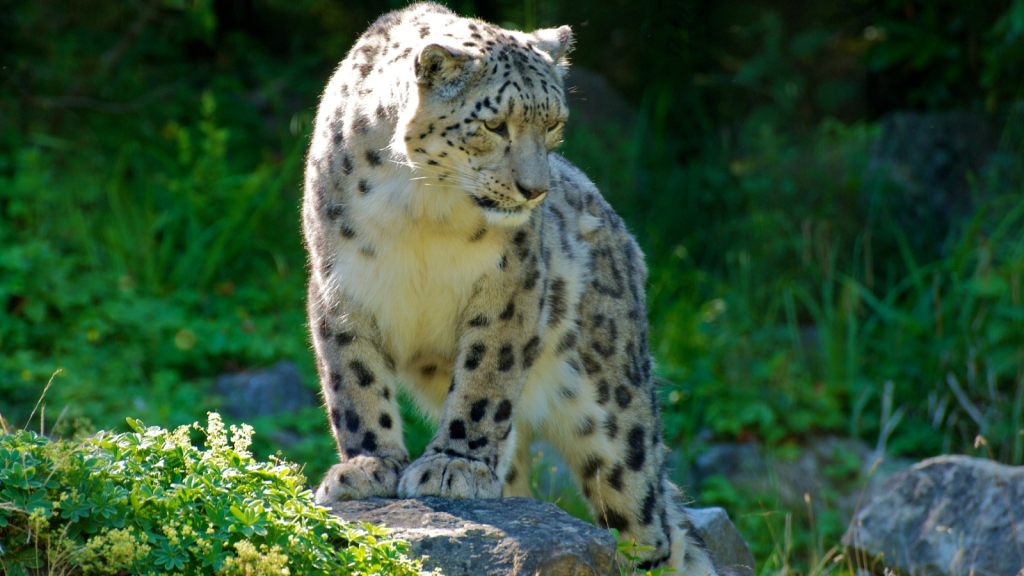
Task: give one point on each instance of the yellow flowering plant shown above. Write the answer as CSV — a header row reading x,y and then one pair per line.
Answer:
x,y
151,502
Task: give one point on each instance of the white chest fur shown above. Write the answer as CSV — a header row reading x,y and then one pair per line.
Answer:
x,y
413,265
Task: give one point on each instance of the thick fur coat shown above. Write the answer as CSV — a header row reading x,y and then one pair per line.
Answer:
x,y
454,253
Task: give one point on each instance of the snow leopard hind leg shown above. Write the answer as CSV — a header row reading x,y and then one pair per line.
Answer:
x,y
607,424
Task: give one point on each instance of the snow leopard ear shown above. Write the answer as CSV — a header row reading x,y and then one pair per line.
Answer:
x,y
443,69
556,43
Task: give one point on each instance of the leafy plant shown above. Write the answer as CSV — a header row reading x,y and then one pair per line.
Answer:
x,y
149,501
628,558
955,56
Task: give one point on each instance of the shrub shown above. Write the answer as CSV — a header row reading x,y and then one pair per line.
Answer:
x,y
149,502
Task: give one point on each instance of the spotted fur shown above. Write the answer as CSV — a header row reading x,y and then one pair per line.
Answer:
x,y
452,251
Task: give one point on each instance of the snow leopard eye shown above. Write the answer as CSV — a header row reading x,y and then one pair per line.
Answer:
x,y
554,127
499,127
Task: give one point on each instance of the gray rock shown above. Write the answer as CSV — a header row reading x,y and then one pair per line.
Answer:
x,y
825,465
929,159
728,550
738,463
523,536
260,393
509,536
748,467
950,515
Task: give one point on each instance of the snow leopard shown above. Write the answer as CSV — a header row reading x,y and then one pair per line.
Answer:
x,y
454,253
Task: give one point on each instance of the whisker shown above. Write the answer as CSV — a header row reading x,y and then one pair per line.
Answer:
x,y
407,164
432,179
443,169
433,169
446,173
439,171
437,166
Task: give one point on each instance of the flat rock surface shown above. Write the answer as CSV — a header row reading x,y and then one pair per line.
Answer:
x,y
523,536
509,536
950,515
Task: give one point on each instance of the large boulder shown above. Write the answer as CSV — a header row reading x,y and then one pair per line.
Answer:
x,y
950,515
519,536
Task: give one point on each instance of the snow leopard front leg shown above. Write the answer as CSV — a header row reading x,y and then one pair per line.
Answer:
x,y
357,378
471,451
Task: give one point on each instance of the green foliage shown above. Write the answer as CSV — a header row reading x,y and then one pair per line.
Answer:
x,y
782,536
952,51
629,557
950,336
148,502
128,283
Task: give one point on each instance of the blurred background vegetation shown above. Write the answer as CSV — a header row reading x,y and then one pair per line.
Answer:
x,y
830,195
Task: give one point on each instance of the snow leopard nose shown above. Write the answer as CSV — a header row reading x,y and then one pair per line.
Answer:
x,y
529,193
